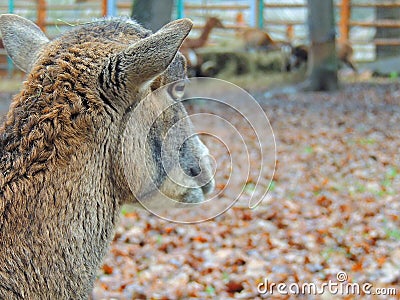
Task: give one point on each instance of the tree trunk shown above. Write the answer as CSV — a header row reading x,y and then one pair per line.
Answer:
x,y
383,13
152,14
323,62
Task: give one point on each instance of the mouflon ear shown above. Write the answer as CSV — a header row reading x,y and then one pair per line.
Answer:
x,y
149,57
22,40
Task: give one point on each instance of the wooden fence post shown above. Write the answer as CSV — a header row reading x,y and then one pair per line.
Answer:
x,y
41,15
104,8
344,23
290,33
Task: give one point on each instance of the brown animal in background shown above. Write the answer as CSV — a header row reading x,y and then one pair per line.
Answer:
x,y
201,41
345,54
190,45
299,56
63,171
257,39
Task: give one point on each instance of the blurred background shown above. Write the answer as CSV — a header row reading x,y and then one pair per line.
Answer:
x,y
370,27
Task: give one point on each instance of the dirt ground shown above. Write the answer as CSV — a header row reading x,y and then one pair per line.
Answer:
x,y
333,207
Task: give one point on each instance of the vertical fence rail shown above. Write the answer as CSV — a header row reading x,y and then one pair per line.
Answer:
x,y
180,9
11,6
344,23
41,14
111,8
253,13
104,8
260,14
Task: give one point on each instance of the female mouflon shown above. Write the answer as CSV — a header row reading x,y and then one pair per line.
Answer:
x,y
62,172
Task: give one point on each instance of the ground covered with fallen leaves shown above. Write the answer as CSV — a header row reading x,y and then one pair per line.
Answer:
x,y
333,206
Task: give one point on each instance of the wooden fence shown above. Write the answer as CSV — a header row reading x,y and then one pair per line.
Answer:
x,y
47,14
352,23
53,18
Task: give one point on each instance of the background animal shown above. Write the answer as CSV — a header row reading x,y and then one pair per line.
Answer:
x,y
74,147
190,45
299,56
256,39
345,55
201,41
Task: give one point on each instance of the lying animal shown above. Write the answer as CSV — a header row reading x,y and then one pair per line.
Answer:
x,y
257,39
299,56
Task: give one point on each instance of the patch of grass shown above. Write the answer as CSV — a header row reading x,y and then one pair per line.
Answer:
x,y
210,290
329,251
393,233
309,150
317,192
366,141
394,75
391,173
360,188
272,186
127,208
387,182
390,231
249,187
225,276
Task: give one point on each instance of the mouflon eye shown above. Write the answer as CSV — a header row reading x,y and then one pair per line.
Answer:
x,y
177,90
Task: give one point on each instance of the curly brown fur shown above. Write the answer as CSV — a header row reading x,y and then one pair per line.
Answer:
x,y
61,167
